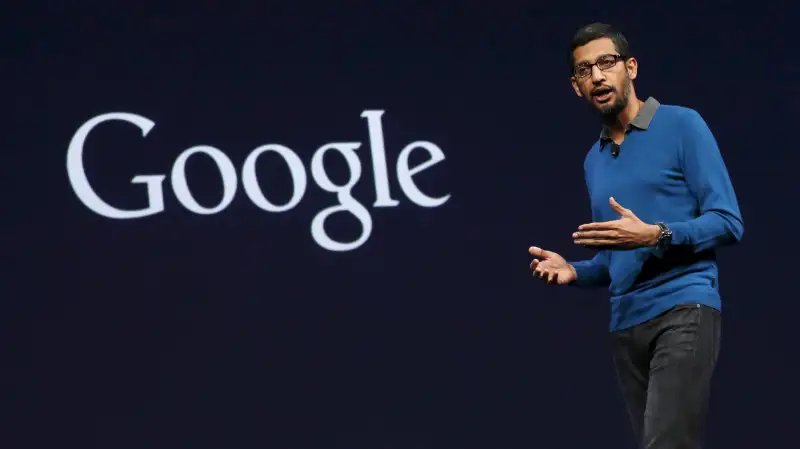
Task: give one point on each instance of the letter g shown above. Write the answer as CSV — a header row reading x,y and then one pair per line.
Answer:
x,y
80,183
343,193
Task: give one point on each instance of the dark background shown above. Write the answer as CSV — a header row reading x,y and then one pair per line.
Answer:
x,y
237,330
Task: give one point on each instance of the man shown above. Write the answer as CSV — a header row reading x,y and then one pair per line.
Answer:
x,y
661,203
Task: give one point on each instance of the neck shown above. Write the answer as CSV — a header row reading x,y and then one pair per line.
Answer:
x,y
618,123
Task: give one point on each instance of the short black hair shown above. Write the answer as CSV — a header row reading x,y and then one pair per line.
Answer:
x,y
595,31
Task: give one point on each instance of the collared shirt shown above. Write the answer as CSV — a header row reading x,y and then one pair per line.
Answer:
x,y
641,121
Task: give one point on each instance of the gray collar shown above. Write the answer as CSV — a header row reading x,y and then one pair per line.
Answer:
x,y
642,119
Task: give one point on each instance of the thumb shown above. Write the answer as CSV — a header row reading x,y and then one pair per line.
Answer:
x,y
618,207
538,252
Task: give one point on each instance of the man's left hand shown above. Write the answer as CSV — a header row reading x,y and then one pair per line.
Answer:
x,y
628,232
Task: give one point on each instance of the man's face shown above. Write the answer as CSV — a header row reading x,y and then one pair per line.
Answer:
x,y
606,85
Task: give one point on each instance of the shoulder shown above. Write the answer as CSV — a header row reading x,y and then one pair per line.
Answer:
x,y
681,116
593,149
591,154
695,136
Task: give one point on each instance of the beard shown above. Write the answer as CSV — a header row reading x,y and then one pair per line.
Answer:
x,y
618,105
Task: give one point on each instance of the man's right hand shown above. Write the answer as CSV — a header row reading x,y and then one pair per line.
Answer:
x,y
551,267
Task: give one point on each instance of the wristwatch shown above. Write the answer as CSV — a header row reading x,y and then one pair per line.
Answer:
x,y
665,239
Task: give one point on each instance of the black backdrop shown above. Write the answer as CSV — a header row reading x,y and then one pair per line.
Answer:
x,y
238,330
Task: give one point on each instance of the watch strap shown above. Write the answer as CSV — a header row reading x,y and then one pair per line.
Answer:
x,y
665,239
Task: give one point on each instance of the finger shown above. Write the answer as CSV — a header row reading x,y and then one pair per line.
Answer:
x,y
601,226
595,234
534,264
596,242
554,278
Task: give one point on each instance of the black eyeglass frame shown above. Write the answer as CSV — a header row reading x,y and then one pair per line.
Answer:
x,y
586,65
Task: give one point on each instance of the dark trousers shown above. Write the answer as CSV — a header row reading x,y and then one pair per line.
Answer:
x,y
664,368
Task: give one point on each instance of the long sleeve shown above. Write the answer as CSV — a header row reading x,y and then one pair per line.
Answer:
x,y
720,221
593,272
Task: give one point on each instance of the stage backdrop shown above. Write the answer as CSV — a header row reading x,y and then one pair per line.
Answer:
x,y
307,227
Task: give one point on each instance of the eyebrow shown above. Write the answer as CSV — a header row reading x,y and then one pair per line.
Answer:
x,y
586,61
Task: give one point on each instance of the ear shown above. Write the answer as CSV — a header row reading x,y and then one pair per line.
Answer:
x,y
632,67
575,86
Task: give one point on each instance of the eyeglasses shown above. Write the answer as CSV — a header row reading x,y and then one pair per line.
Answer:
x,y
603,63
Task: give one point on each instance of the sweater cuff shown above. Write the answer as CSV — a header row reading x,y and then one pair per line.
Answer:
x,y
680,232
586,273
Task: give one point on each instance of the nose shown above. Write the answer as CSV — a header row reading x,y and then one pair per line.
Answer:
x,y
597,74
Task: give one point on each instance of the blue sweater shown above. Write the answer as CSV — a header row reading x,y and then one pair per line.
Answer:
x,y
669,169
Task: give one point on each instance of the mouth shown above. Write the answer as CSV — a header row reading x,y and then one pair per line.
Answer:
x,y
602,94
